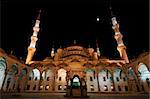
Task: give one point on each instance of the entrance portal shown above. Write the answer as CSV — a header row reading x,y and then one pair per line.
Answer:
x,y
77,87
76,82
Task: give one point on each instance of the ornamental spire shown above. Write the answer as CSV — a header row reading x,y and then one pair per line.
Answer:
x,y
97,48
53,50
34,38
118,36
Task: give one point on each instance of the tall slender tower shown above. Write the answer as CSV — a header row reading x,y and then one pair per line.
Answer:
x,y
31,48
74,41
118,36
52,51
97,48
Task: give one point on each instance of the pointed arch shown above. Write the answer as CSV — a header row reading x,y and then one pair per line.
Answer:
x,y
15,68
144,76
23,73
133,84
3,67
62,73
105,80
22,77
34,74
131,73
10,80
142,68
49,74
120,79
91,80
44,75
61,82
76,82
48,79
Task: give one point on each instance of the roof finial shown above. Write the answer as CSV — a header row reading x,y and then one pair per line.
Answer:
x,y
110,8
111,12
39,15
97,48
11,52
53,49
89,46
74,41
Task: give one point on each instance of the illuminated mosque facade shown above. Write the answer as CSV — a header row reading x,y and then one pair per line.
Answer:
x,y
75,70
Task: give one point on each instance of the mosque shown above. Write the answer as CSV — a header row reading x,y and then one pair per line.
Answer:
x,y
75,70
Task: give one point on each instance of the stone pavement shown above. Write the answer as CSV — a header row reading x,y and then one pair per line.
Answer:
x,y
61,96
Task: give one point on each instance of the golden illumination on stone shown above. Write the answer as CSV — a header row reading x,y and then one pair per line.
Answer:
x,y
75,65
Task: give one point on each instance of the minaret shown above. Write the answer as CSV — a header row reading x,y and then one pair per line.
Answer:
x,y
74,42
97,48
52,51
31,48
118,36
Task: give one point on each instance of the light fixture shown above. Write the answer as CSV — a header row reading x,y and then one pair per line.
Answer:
x,y
91,86
112,87
41,87
105,87
97,18
47,87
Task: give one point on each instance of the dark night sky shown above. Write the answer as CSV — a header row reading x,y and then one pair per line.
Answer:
x,y
62,22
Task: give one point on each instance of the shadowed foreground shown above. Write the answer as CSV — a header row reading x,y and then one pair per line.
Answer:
x,y
61,96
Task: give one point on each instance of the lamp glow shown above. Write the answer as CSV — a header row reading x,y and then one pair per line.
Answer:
x,y
97,19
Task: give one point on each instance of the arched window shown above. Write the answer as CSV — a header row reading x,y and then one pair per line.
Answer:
x,y
76,82
49,74
2,70
23,73
31,75
35,74
120,79
90,80
89,74
144,76
143,71
69,82
2,64
43,75
62,74
148,82
8,82
105,77
131,73
14,69
61,80
119,74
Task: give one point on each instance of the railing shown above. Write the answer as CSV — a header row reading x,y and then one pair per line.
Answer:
x,y
68,53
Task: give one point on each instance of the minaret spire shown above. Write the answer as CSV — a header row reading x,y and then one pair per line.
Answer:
x,y
39,15
118,36
34,38
74,42
52,51
97,48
